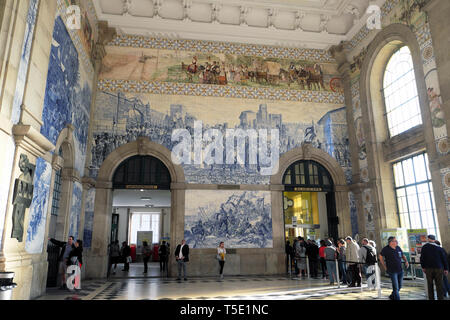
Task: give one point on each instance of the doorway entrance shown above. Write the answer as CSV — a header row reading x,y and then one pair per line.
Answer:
x,y
309,202
141,213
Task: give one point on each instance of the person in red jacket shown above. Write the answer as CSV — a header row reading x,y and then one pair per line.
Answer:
x,y
322,259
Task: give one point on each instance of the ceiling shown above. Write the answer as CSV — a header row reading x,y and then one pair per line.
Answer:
x,y
312,24
132,198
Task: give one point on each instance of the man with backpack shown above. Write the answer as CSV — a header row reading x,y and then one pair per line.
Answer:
x,y
367,256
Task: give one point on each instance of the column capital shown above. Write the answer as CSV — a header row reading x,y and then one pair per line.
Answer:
x,y
339,53
88,183
31,140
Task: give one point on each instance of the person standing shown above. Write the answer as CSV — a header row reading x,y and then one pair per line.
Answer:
x,y
341,261
362,252
114,252
126,256
63,259
288,251
322,258
182,256
391,259
221,252
330,258
312,251
146,252
352,259
300,256
76,258
445,280
163,255
434,264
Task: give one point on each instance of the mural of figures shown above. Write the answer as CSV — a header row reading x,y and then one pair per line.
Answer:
x,y
242,219
68,94
75,210
353,213
88,217
39,207
217,69
24,60
121,118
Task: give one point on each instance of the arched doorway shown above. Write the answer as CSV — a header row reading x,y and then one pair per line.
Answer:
x,y
141,211
309,205
103,207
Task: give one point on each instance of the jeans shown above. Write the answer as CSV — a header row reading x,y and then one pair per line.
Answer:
x,y
343,271
397,279
324,267
435,275
331,268
356,277
181,264
364,270
146,264
162,262
313,265
446,286
221,263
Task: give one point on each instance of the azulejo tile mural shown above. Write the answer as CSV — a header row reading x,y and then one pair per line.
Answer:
x,y
121,118
68,94
88,217
24,59
135,41
241,219
39,207
75,210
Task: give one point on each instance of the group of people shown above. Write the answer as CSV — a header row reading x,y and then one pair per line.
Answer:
x,y
354,260
182,257
348,254
123,254
71,254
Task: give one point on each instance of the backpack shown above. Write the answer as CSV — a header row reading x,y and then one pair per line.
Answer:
x,y
371,259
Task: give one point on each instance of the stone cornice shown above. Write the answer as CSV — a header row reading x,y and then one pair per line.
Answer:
x,y
31,140
88,182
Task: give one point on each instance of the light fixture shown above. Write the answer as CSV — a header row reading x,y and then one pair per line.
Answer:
x,y
142,190
146,198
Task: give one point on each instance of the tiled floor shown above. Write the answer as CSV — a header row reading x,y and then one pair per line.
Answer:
x,y
137,287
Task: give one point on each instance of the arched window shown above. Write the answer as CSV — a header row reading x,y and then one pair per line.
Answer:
x,y
400,93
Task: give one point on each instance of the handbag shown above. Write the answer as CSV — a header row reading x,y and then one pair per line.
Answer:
x,y
218,257
129,260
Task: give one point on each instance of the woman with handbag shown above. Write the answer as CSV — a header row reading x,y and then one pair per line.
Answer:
x,y
126,256
221,252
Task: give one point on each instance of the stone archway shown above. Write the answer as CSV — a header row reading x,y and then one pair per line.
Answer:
x,y
308,152
98,256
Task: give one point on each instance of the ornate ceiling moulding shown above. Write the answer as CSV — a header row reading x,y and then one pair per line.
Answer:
x,y
311,23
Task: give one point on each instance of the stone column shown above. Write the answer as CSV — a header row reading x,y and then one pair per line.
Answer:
x,y
340,54
177,191
438,12
98,255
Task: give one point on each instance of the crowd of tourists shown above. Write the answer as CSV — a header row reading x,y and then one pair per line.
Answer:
x,y
355,261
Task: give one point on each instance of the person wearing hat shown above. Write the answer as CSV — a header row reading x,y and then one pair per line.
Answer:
x,y
391,259
434,264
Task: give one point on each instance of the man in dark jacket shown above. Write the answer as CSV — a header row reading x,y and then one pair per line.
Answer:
x,y
312,251
289,253
163,253
182,256
125,253
434,263
63,259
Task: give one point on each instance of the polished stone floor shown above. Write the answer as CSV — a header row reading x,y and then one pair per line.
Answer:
x,y
134,285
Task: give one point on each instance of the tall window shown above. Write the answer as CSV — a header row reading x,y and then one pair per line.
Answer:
x,y
414,193
144,222
56,193
400,93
